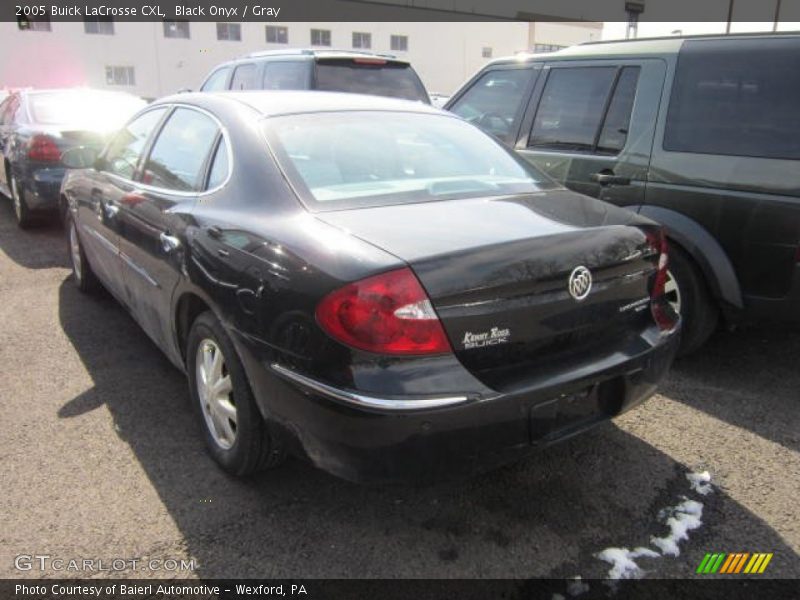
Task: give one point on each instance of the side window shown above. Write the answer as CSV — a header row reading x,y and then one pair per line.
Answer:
x,y
571,108
585,109
217,81
124,151
244,77
286,75
179,154
219,167
494,101
736,99
614,133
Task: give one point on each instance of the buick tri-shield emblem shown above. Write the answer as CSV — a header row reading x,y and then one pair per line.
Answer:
x,y
580,283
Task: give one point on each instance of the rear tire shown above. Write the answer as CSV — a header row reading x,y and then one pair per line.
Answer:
x,y
699,312
82,273
235,432
21,211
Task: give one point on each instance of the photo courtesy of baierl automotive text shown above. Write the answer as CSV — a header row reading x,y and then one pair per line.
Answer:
x,y
353,298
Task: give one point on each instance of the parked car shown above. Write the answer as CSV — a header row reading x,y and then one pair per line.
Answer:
x,y
36,126
371,283
438,100
358,72
700,134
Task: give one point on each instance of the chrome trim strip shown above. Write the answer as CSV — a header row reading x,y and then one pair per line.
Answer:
x,y
101,238
159,190
138,269
362,400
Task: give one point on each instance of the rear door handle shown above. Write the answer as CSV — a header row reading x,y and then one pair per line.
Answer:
x,y
169,243
610,179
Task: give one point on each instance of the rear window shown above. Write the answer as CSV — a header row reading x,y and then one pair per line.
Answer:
x,y
101,111
736,97
341,160
370,76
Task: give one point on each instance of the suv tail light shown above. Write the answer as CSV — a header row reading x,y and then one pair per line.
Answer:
x,y
387,314
42,148
663,314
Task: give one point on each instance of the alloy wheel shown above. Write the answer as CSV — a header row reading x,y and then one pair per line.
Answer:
x,y
673,292
215,392
15,197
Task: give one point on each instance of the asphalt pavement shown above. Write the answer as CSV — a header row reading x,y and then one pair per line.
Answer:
x,y
102,458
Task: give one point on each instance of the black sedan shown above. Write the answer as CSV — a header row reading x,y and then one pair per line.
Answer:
x,y
373,284
36,126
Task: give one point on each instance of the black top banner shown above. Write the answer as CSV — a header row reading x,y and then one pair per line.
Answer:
x,y
403,10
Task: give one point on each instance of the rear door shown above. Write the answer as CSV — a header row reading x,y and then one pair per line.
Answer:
x,y
151,226
590,125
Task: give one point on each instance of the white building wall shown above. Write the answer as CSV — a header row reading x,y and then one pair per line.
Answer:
x,y
444,54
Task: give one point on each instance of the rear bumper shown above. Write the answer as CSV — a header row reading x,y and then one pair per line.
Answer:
x,y
349,435
43,187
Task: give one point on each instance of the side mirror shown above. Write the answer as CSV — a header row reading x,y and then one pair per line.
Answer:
x,y
80,157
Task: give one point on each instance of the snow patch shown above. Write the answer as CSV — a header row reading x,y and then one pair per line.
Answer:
x,y
681,520
700,482
623,565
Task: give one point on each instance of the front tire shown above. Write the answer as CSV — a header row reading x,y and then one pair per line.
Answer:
x,y
688,293
21,211
82,273
236,434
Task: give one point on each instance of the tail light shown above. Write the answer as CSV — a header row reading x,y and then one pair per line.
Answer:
x,y
387,314
42,148
663,313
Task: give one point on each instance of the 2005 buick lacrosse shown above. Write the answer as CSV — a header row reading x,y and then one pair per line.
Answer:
x,y
372,284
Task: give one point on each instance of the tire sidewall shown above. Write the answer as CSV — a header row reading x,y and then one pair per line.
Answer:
x,y
699,313
241,457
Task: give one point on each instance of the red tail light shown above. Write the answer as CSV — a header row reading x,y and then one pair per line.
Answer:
x,y
387,314
663,314
42,148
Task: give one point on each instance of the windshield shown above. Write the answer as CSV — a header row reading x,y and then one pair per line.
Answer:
x,y
370,76
97,111
346,159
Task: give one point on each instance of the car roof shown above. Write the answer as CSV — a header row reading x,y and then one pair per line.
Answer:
x,y
278,102
315,53
656,46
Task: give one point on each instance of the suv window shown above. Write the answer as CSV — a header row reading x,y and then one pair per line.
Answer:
x,y
290,75
244,77
736,98
124,151
585,108
493,102
178,158
370,76
219,167
216,82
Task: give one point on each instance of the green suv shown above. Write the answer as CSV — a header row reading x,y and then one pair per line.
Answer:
x,y
701,134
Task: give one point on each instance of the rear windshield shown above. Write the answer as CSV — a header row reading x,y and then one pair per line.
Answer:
x,y
105,111
370,76
348,159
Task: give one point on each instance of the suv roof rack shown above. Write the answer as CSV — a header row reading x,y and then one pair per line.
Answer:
x,y
315,52
694,36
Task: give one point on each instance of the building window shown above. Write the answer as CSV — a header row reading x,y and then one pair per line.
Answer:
x,y
399,43
98,25
544,48
34,23
231,32
320,37
486,52
120,76
362,40
176,29
277,35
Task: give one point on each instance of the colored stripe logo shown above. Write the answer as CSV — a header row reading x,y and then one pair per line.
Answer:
x,y
734,563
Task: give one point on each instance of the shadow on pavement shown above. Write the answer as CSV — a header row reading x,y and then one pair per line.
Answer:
x,y
43,246
545,516
749,378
